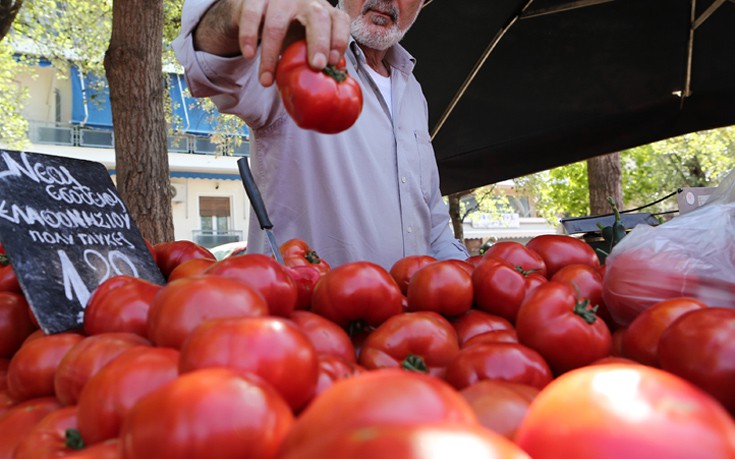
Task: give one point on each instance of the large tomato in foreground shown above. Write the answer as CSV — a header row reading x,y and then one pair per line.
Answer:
x,y
327,101
625,411
49,438
18,421
500,405
207,413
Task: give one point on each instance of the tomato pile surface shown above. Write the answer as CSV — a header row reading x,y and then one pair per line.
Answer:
x,y
511,354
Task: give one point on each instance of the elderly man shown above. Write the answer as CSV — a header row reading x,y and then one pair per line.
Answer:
x,y
370,193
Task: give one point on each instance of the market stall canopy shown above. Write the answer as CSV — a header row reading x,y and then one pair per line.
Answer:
x,y
517,86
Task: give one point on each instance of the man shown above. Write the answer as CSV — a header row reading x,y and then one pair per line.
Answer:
x,y
370,193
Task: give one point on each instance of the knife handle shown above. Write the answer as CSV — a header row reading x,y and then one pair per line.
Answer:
x,y
256,200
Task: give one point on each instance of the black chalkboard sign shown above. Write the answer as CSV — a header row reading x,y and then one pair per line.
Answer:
x,y
66,230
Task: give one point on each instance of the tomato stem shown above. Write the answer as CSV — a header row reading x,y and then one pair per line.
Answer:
x,y
338,75
74,439
582,310
4,260
414,363
312,257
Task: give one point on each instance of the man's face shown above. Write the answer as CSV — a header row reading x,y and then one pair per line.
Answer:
x,y
379,24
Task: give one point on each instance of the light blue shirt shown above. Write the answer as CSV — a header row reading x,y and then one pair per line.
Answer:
x,y
370,193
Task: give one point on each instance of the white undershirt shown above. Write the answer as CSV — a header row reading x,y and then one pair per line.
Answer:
x,y
383,84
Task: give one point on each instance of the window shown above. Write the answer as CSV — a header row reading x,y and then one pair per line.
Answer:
x,y
214,214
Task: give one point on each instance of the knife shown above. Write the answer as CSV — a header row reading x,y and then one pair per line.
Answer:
x,y
256,200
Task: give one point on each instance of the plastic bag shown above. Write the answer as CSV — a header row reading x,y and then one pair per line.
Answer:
x,y
692,255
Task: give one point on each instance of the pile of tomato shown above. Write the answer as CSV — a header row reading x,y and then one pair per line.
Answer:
x,y
511,354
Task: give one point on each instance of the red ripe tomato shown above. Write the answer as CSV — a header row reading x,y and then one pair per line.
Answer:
x,y
4,363
8,279
559,250
403,269
625,411
562,327
333,369
275,350
588,283
183,304
169,255
476,322
15,323
108,449
86,358
499,288
474,260
266,275
19,420
120,304
327,101
415,441
495,336
305,278
498,361
418,341
109,395
327,337
442,287
533,280
31,370
48,438
500,405
296,252
357,291
518,255
191,268
213,412
379,397
640,339
464,264
699,346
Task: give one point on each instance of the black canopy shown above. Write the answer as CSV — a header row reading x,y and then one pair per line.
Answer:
x,y
518,86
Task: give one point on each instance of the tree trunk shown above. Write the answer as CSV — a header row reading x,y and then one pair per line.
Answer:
x,y
8,10
135,75
605,177
455,215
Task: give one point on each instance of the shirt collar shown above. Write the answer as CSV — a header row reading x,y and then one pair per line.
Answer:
x,y
397,57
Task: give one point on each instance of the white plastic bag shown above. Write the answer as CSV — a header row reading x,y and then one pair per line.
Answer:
x,y
692,255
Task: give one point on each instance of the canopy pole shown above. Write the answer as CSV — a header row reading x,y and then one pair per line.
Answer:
x,y
475,71
695,23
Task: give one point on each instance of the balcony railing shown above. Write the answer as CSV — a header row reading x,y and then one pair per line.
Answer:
x,y
80,136
211,239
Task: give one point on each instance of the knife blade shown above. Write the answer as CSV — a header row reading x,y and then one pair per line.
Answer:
x,y
256,200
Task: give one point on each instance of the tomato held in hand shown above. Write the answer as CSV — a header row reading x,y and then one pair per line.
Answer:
x,y
327,101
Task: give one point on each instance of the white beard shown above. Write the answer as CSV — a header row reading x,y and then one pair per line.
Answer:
x,y
374,34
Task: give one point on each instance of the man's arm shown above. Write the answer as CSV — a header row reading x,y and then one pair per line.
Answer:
x,y
231,27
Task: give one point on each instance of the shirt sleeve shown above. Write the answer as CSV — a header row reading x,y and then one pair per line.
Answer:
x,y
444,245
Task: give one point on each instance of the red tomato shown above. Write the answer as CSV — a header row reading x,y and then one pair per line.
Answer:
x,y
562,327
560,250
109,395
418,341
415,441
357,291
86,358
48,437
699,346
191,268
533,280
276,350
15,323
4,364
213,412
378,397
640,340
169,255
6,401
296,252
120,304
32,368
442,287
18,421
518,255
500,405
474,260
183,304
333,369
464,264
475,322
8,279
327,101
266,275
403,269
625,411
588,283
499,288
327,337
108,449
511,362
305,278
495,336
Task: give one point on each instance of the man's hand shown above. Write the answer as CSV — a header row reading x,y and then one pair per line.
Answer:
x,y
241,24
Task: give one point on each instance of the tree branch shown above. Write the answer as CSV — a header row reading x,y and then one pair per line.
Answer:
x,y
8,10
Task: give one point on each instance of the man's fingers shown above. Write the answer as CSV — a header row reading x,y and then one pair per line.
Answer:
x,y
251,15
317,19
274,30
340,35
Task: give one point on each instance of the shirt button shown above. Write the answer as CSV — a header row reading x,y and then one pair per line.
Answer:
x,y
403,179
410,229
